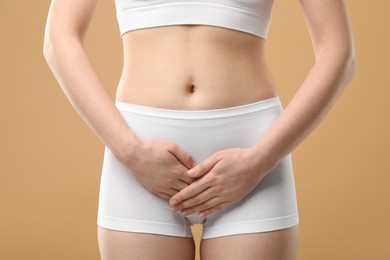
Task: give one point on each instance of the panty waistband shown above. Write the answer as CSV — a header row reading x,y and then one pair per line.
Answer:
x,y
199,114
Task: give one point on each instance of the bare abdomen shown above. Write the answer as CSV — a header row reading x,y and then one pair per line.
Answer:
x,y
193,67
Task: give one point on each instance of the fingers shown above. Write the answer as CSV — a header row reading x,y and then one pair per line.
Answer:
x,y
180,185
186,179
203,207
163,195
204,167
204,213
181,155
196,187
200,199
168,194
173,191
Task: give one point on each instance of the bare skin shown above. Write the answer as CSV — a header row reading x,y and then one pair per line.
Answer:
x,y
275,245
198,67
118,245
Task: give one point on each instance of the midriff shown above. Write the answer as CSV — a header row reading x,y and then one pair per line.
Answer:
x,y
193,67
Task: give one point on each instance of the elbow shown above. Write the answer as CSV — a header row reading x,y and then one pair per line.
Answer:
x,y
344,61
351,58
48,47
341,56
47,43
350,64
349,55
353,64
54,43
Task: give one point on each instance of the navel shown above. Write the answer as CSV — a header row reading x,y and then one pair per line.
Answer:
x,y
191,88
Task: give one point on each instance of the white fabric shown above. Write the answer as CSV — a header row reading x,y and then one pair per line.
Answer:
x,y
253,16
126,205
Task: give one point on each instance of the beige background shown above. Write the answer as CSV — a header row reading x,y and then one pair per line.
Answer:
x,y
51,161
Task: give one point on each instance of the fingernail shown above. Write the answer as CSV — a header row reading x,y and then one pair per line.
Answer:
x,y
173,202
191,172
202,214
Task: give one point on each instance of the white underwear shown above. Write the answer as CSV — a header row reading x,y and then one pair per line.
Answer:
x,y
125,205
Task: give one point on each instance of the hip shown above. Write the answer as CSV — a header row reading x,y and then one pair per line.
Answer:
x,y
201,133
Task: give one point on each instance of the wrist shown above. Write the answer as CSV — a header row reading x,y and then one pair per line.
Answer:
x,y
264,159
125,151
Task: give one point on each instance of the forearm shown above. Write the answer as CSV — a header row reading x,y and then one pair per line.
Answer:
x,y
319,91
70,65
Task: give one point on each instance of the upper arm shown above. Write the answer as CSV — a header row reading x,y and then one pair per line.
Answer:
x,y
328,25
69,17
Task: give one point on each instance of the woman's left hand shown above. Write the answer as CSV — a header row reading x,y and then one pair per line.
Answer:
x,y
223,179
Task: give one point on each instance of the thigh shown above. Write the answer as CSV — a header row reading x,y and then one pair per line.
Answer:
x,y
273,245
119,245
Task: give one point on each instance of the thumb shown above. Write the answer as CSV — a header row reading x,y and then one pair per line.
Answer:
x,y
202,168
182,155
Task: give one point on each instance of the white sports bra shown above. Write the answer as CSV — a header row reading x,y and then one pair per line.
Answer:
x,y
250,16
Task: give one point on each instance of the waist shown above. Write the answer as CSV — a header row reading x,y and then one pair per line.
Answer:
x,y
193,68
260,108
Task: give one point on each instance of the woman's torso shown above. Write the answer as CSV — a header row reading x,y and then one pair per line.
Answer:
x,y
193,67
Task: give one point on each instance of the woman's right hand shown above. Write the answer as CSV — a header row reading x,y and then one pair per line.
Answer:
x,y
160,166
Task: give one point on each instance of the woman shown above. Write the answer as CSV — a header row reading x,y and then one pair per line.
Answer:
x,y
197,133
